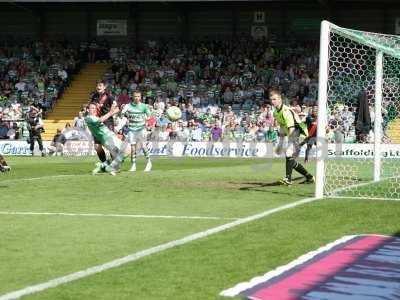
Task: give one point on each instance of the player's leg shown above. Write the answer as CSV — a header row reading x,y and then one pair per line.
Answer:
x,y
39,139
310,143
117,149
101,154
131,140
100,166
291,163
296,165
31,143
146,151
133,158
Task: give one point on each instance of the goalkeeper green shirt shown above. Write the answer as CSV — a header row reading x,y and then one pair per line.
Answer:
x,y
287,118
100,132
136,115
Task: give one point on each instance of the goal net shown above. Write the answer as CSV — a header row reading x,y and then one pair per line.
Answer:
x,y
359,114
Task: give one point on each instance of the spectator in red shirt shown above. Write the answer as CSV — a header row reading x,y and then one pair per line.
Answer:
x,y
124,98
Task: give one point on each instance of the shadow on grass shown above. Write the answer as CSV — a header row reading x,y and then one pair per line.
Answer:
x,y
263,187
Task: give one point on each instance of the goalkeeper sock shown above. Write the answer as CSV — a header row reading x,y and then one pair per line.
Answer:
x,y
299,168
290,163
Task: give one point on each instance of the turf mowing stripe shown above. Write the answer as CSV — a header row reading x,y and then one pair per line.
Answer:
x,y
28,213
138,255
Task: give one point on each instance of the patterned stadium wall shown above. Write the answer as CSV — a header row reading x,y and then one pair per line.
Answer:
x,y
68,24
167,19
18,23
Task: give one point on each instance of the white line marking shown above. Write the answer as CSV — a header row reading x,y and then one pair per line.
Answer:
x,y
138,255
29,213
43,177
364,198
240,287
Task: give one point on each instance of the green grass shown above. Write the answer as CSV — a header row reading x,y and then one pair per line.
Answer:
x,y
355,178
37,248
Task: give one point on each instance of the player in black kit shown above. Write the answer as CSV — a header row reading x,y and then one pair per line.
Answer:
x,y
104,104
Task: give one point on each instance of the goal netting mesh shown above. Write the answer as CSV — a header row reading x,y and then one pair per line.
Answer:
x,y
354,69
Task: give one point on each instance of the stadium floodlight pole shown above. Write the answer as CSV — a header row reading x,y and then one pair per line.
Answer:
x,y
378,115
322,105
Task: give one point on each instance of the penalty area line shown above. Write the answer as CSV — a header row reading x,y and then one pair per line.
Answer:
x,y
31,213
138,255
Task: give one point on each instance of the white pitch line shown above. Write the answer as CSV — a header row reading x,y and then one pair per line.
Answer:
x,y
43,177
138,255
29,213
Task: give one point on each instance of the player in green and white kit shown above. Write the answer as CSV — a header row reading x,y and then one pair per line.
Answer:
x,y
106,137
292,127
137,113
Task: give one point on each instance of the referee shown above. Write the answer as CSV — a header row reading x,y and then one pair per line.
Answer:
x,y
292,127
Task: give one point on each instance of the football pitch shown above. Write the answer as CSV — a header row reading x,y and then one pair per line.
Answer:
x,y
189,229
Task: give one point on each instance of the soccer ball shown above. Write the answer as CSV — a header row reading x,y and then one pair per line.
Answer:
x,y
174,113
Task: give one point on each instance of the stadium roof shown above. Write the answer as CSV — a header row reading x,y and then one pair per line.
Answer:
x,y
323,2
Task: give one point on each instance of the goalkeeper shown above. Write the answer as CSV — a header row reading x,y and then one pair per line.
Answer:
x,y
292,127
106,137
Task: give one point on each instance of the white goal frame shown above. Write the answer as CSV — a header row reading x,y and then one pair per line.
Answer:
x,y
326,28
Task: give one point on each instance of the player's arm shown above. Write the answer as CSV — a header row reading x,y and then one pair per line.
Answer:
x,y
114,110
124,109
39,125
281,139
147,112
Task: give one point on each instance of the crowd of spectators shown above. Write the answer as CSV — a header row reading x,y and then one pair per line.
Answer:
x,y
221,87
32,75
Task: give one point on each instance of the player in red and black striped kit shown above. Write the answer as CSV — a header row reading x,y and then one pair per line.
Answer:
x,y
104,104
311,139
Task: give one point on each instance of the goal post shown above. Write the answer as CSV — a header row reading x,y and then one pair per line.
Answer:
x,y
358,137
